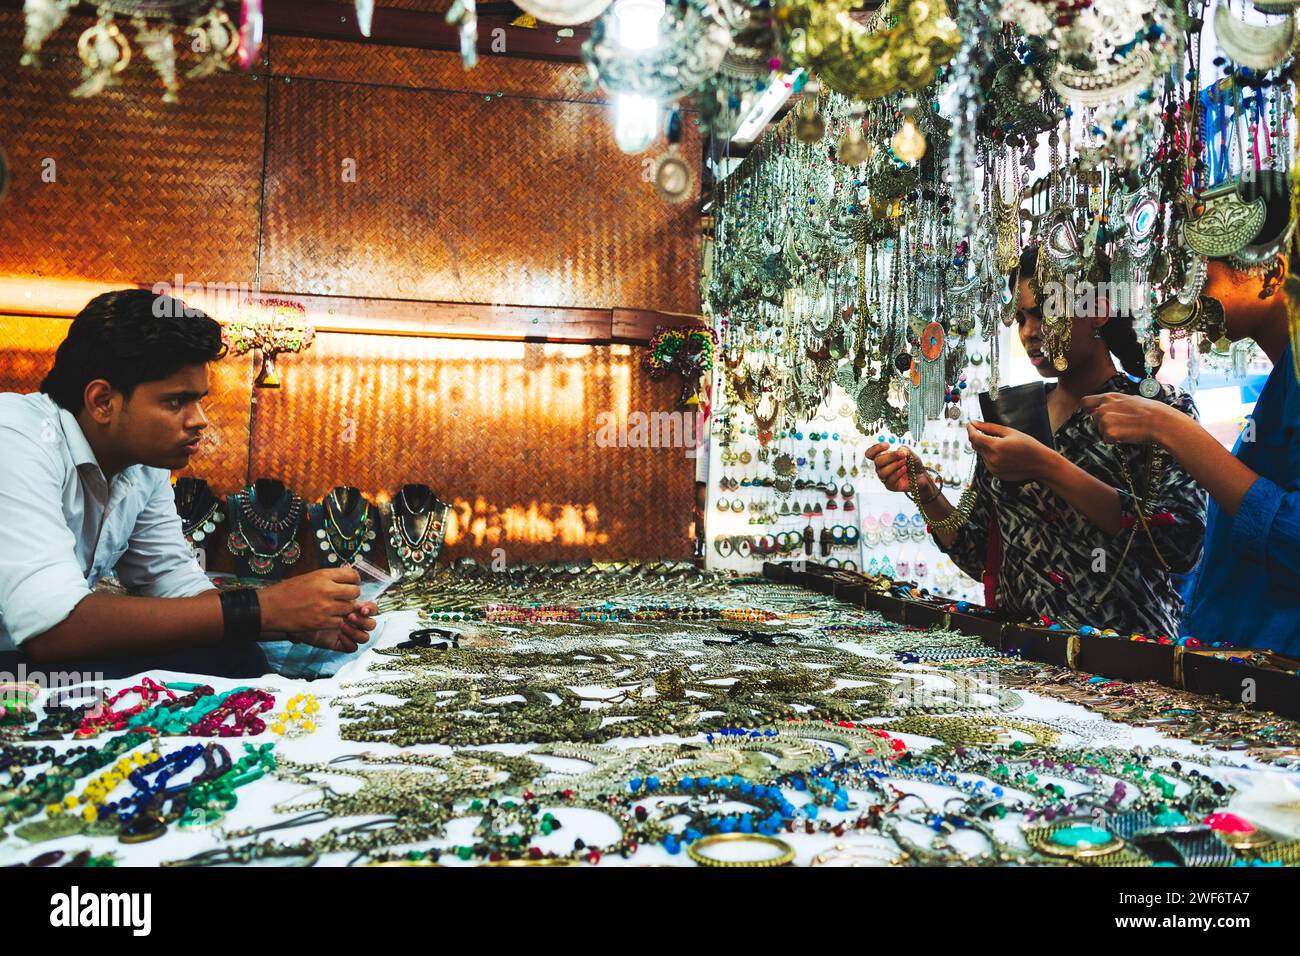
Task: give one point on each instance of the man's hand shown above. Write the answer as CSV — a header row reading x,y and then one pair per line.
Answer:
x,y
1009,454
1129,419
321,600
891,469
359,621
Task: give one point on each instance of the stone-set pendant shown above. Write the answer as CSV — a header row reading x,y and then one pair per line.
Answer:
x,y
142,829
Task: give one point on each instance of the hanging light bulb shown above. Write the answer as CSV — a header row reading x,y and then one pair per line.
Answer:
x,y
638,23
909,142
636,121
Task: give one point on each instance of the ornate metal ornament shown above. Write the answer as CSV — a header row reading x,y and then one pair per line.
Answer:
x,y
1258,47
869,61
563,13
691,48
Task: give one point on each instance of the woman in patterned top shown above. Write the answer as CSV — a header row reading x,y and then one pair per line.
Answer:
x,y
1058,535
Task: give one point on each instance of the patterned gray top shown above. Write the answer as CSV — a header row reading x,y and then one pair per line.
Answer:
x,y
1057,564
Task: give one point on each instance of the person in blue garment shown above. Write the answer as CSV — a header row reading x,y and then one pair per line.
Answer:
x,y
1247,587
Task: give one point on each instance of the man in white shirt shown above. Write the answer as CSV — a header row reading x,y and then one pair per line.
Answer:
x,y
85,490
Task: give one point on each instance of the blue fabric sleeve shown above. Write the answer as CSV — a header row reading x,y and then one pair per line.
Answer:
x,y
1266,530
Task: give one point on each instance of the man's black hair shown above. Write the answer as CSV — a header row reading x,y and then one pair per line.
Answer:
x,y
128,337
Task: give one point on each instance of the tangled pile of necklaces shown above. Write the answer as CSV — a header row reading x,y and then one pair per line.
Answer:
x,y
646,714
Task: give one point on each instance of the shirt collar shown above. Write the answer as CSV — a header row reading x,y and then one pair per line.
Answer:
x,y
83,456
78,447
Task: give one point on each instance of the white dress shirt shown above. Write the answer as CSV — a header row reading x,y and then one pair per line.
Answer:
x,y
63,526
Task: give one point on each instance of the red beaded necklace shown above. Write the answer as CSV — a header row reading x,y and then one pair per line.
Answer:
x,y
103,717
242,709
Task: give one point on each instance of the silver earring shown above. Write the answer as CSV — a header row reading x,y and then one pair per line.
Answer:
x,y
1096,333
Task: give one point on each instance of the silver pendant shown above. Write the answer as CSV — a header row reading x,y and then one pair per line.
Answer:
x,y
1149,388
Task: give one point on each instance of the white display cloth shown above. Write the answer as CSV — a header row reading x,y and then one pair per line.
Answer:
x,y
256,801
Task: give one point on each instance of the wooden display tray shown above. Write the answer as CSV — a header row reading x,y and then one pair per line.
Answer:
x,y
1274,687
1255,687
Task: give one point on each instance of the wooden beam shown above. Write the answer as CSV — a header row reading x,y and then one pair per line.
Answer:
x,y
420,29
638,325
326,20
62,299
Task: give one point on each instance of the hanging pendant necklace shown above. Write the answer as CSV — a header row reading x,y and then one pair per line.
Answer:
x,y
424,547
271,527
340,547
196,529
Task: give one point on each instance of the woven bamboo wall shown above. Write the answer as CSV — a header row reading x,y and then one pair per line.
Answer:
x,y
519,198
425,219
141,190
506,431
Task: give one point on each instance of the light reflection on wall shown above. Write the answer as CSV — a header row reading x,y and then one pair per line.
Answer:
x,y
505,430
567,524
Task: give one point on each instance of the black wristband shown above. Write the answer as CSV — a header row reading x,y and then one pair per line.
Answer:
x,y
241,615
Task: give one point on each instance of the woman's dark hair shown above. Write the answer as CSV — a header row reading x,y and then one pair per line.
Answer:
x,y
128,337
1118,332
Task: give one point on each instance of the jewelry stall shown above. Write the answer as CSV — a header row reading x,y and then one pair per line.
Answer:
x,y
575,327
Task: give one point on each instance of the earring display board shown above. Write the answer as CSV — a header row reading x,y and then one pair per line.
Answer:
x,y
812,493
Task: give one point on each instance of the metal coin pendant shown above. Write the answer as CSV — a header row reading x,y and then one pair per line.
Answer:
x,y
1149,388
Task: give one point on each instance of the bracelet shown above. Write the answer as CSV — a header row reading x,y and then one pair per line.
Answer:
x,y
241,615
785,854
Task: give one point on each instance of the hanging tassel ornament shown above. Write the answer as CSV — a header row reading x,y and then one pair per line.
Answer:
x,y
365,15
932,341
105,53
156,42
1240,352
464,16
915,407
41,19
